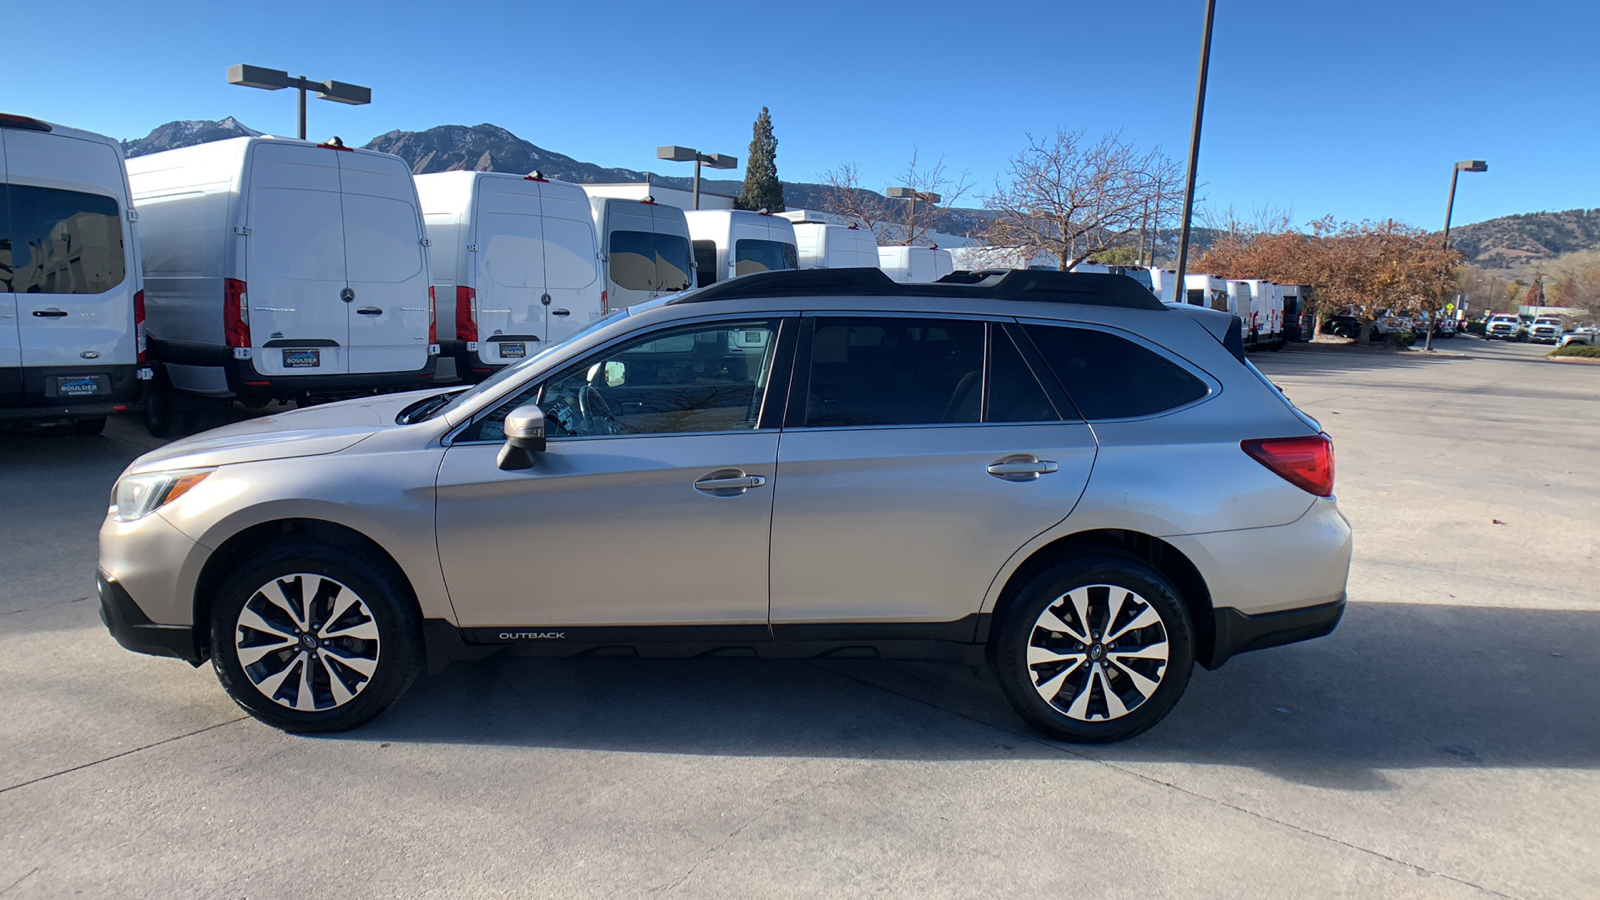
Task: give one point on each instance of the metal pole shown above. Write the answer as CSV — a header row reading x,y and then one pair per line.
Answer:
x,y
1194,150
1144,222
697,180
301,84
1449,207
911,218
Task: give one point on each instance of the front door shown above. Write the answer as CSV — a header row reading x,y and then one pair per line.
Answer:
x,y
652,504
911,470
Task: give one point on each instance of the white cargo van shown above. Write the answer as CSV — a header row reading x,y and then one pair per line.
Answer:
x,y
733,242
1266,310
282,269
915,265
826,246
1208,291
1164,283
644,248
515,266
71,306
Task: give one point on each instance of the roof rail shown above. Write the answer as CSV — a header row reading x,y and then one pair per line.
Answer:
x,y
1082,288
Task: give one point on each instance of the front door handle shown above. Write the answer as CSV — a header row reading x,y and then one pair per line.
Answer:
x,y
369,311
728,483
1022,467
49,313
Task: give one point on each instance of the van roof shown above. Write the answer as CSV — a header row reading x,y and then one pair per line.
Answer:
x,y
27,123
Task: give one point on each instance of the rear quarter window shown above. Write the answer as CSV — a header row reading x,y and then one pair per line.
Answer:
x,y
1111,377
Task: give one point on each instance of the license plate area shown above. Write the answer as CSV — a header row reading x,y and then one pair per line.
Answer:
x,y
302,359
81,385
513,350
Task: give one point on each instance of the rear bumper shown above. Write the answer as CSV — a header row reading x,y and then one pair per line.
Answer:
x,y
32,392
245,381
134,630
1237,632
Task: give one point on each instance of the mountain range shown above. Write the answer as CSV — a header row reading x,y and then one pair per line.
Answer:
x,y
1510,245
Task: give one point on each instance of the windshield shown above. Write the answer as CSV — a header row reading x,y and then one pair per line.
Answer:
x,y
513,371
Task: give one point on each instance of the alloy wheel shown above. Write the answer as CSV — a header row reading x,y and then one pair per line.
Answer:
x,y
307,642
1098,652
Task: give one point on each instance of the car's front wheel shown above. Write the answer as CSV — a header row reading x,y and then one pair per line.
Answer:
x,y
312,636
1097,648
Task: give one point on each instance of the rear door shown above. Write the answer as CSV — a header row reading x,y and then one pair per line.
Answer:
x,y
674,257
386,270
295,261
10,338
70,273
630,252
510,237
571,271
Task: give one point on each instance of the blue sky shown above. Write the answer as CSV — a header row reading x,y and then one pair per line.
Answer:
x,y
1355,109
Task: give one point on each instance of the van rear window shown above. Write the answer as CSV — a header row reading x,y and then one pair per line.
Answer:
x,y
59,242
643,261
751,256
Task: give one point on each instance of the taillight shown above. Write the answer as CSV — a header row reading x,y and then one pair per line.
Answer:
x,y
433,317
466,315
140,340
1305,462
604,306
235,313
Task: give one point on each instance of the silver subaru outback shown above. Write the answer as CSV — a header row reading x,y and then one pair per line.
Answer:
x,y
1054,473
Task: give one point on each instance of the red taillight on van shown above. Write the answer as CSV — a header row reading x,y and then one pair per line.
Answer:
x,y
1305,462
605,306
466,315
140,339
433,317
235,313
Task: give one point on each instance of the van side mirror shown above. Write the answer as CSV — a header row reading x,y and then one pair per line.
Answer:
x,y
524,429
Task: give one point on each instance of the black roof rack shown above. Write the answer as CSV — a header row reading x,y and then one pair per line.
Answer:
x,y
1083,288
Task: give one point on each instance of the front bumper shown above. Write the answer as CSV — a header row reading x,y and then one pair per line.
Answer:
x,y
1236,632
134,630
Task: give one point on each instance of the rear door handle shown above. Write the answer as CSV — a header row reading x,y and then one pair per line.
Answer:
x,y
560,312
49,313
1022,467
369,311
728,483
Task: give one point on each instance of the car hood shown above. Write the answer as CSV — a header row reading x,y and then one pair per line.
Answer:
x,y
299,432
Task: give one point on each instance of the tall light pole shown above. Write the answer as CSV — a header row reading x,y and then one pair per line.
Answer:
x,y
276,80
1465,165
687,154
1194,147
912,194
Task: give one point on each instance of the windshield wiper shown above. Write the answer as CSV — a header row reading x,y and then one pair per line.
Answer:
x,y
422,409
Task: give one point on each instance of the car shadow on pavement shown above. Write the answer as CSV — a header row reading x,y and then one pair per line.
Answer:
x,y
1296,358
1397,686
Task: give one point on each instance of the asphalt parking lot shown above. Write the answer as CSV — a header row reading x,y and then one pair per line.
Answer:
x,y
1444,742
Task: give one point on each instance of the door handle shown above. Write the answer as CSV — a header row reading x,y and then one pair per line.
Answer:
x,y
49,313
728,483
369,311
1022,467
560,312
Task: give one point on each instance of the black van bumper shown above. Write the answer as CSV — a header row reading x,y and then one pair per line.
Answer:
x,y
52,392
134,630
1238,633
245,381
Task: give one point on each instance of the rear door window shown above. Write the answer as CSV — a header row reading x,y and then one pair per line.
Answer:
x,y
633,260
705,263
1014,392
894,371
751,256
673,262
60,242
1111,377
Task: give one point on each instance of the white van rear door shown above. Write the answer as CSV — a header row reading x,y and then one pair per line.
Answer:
x,y
509,235
10,338
71,269
295,269
630,252
572,276
386,269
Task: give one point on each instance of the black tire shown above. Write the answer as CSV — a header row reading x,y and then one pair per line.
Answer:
x,y
396,653
1090,570
162,418
89,427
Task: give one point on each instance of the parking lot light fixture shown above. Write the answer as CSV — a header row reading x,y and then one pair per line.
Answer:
x,y
277,79
689,154
1465,165
912,194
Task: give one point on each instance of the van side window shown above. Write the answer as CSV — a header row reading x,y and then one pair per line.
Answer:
x,y
705,263
1110,377
894,371
751,255
60,242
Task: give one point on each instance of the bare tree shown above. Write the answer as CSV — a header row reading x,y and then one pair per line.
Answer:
x,y
1070,199
895,221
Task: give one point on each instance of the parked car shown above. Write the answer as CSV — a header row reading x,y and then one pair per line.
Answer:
x,y
515,265
72,343
1546,330
1505,327
1350,327
281,269
977,471
1582,337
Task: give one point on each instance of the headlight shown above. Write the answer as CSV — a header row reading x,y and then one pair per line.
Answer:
x,y
137,496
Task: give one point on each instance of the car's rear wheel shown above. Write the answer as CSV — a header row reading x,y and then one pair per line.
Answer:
x,y
1097,648
315,636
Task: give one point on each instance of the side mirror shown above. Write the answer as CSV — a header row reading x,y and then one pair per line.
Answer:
x,y
524,429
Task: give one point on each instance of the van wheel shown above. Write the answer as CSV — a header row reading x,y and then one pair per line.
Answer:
x,y
89,427
1098,648
315,636
162,418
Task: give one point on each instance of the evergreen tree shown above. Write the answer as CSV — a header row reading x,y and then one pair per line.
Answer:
x,y
761,190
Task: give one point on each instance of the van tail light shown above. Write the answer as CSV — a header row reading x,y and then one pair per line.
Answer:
x,y
466,315
1305,462
605,306
433,317
141,340
235,313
